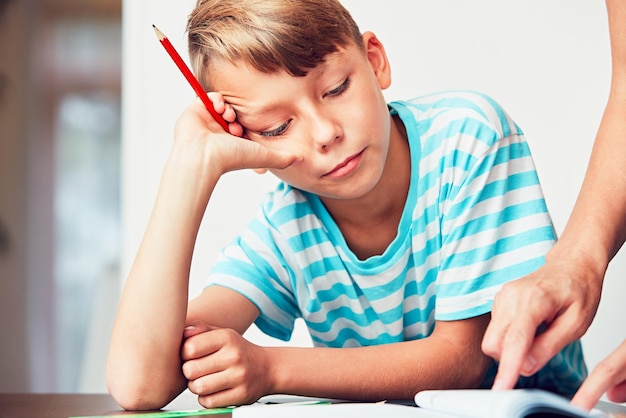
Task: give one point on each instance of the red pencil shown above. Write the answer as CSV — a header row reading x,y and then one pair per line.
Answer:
x,y
190,77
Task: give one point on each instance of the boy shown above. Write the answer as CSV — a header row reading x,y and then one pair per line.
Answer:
x,y
393,228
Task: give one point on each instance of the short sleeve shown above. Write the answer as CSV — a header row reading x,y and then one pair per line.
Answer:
x,y
253,266
495,225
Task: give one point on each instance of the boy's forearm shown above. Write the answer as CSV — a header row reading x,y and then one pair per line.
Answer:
x,y
384,372
144,367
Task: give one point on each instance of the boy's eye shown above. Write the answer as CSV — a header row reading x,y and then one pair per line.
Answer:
x,y
337,91
275,132
283,128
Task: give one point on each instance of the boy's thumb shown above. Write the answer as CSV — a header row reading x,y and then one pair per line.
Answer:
x,y
197,327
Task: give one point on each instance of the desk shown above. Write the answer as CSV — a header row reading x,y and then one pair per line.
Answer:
x,y
54,405
37,405
34,405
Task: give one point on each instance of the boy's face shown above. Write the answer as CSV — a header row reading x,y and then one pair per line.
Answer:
x,y
335,117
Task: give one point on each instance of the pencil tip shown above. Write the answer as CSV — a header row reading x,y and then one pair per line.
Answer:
x,y
159,34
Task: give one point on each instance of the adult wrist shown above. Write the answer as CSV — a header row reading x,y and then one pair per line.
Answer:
x,y
584,263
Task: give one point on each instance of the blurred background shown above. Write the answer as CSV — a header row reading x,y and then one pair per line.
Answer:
x,y
88,101
60,86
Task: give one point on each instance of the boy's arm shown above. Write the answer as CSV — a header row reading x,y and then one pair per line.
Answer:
x,y
449,358
144,364
229,309
224,369
143,370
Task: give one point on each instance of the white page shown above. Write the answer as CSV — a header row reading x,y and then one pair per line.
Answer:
x,y
497,404
339,410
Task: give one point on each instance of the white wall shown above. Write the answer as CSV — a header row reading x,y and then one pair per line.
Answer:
x,y
547,63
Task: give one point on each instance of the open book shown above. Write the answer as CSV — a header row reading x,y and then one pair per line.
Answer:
x,y
463,403
517,403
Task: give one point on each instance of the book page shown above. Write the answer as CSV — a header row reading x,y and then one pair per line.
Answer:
x,y
338,410
483,403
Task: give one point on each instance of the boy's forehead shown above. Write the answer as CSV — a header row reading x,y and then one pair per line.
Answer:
x,y
251,91
224,70
247,88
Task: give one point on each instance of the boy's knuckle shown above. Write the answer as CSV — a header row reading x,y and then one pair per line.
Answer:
x,y
230,335
189,370
189,350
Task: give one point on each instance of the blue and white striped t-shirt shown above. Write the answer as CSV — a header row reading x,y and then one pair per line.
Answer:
x,y
475,218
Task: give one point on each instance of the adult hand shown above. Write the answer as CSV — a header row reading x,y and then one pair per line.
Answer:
x,y
560,298
608,376
222,367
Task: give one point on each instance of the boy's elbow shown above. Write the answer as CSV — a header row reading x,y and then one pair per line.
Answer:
x,y
134,394
134,398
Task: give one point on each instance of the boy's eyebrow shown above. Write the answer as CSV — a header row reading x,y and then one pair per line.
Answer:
x,y
247,112
246,108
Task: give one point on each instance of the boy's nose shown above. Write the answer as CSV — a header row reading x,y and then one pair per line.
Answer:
x,y
325,132
324,146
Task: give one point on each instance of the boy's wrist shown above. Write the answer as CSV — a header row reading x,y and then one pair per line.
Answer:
x,y
193,164
275,382
286,370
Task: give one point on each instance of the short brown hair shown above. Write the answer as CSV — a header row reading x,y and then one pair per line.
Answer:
x,y
270,35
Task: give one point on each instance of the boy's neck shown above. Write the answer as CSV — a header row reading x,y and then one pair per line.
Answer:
x,y
371,224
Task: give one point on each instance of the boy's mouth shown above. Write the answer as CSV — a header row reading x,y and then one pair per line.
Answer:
x,y
346,166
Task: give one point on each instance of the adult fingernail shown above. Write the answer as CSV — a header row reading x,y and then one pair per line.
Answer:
x,y
497,386
529,364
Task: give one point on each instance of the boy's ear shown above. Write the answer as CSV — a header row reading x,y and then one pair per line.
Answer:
x,y
377,58
260,170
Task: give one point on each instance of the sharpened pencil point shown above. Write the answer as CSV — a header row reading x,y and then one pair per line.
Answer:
x,y
193,81
159,34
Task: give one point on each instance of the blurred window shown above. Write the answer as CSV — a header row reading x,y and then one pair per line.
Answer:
x,y
82,53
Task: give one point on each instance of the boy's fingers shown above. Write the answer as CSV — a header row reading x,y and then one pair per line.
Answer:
x,y
199,345
218,101
208,342
219,399
285,160
235,129
272,158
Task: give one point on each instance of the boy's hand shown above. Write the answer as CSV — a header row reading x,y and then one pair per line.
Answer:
x,y
609,376
560,297
223,368
204,138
